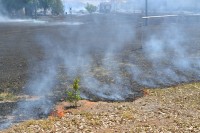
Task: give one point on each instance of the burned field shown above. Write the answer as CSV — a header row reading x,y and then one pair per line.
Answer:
x,y
114,55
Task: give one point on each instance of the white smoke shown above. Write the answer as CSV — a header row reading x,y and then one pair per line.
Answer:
x,y
2,17
170,58
78,57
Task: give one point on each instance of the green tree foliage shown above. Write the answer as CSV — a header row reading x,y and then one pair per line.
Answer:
x,y
57,7
30,6
11,5
45,4
90,8
15,5
73,96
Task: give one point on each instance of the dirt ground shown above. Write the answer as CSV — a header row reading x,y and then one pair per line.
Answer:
x,y
173,110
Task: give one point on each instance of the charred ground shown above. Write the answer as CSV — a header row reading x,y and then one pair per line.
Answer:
x,y
20,51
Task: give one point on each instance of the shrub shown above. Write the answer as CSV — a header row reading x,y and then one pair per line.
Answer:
x,y
73,95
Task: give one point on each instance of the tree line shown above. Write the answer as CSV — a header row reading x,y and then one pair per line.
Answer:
x,y
31,6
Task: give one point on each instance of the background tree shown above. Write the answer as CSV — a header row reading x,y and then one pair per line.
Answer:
x,y
45,4
12,5
90,8
31,6
57,7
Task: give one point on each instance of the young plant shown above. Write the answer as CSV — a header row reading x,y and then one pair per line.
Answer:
x,y
73,96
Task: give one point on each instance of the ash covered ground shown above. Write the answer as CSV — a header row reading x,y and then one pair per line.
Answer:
x,y
114,55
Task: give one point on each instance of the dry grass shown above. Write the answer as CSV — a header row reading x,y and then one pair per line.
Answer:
x,y
6,96
174,109
186,95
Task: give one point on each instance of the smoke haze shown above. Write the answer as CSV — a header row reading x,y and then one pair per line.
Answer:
x,y
114,56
